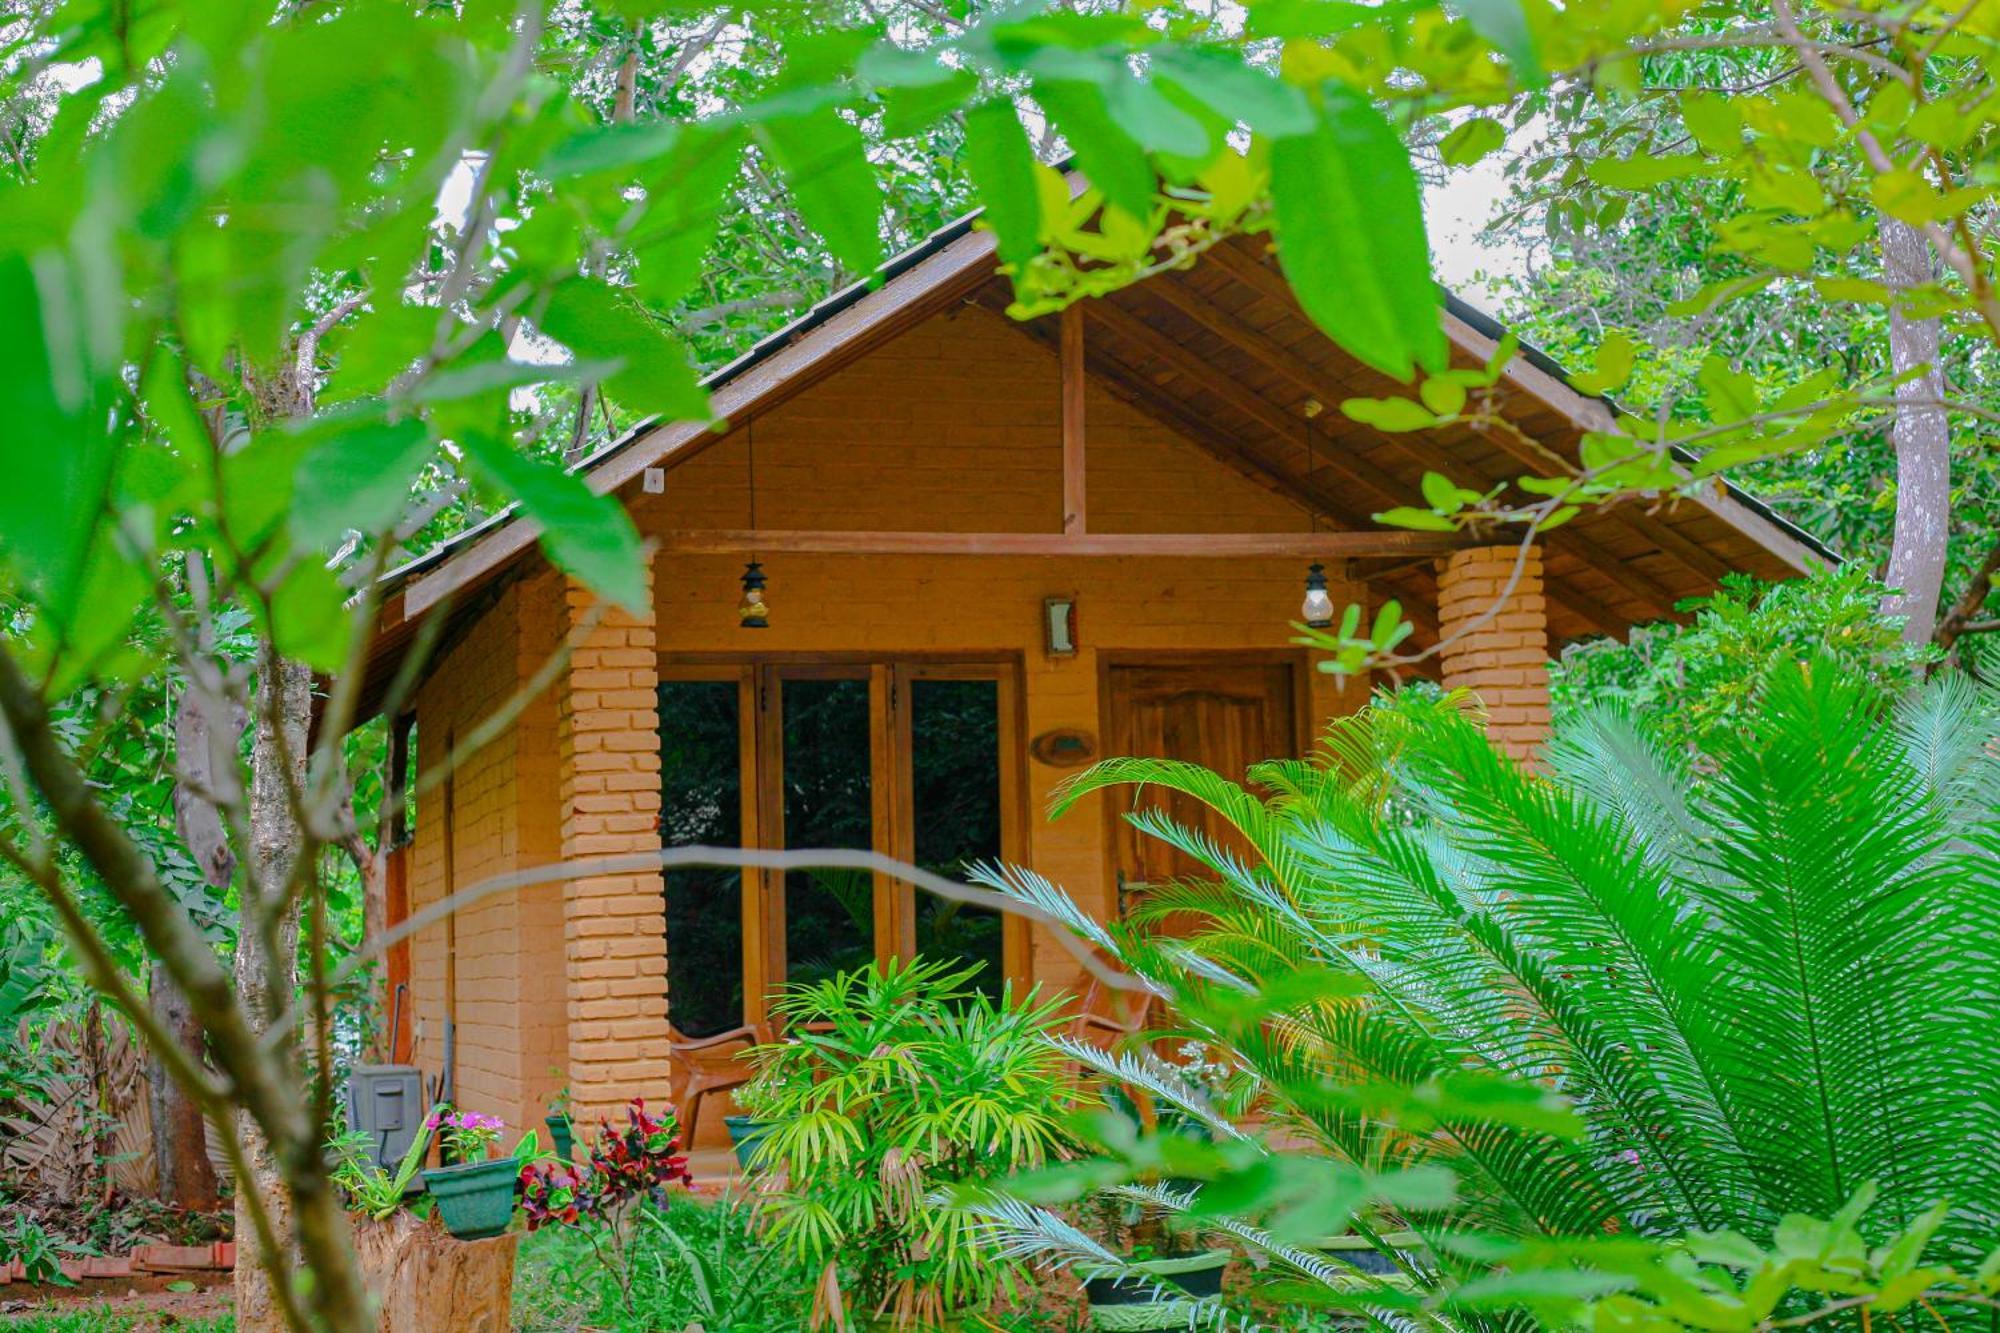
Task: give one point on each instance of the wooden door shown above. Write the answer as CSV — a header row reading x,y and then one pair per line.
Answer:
x,y
1225,716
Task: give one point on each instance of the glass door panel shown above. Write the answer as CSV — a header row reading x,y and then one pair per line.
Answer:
x,y
701,804
827,801
955,812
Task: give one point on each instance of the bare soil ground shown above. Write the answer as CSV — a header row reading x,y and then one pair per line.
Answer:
x,y
137,1303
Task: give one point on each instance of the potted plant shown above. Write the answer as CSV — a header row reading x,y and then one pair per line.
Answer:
x,y
907,1084
745,1132
1181,1271
562,1130
475,1197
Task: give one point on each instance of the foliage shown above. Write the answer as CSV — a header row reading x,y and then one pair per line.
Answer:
x,y
1639,997
897,1082
602,1196
690,1262
102,1321
24,1242
466,1134
1694,681
372,1191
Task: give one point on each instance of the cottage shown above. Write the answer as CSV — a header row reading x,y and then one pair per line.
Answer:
x,y
987,551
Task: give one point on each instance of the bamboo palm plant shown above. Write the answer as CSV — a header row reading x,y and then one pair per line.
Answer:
x,y
1756,981
895,1083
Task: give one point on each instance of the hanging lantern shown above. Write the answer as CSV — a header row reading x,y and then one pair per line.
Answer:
x,y
751,611
1317,610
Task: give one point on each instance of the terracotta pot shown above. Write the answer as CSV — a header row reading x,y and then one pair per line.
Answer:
x,y
476,1200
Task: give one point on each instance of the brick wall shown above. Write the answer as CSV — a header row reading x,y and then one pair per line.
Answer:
x,y
956,427
1503,656
613,924
952,427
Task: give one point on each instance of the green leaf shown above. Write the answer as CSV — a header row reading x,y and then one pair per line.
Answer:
x,y
1471,140
1443,395
672,243
1909,197
1714,122
1616,356
1393,415
1441,494
310,621
356,474
609,148
600,323
58,455
910,111
1001,162
1112,160
1236,91
586,534
825,162
1643,171
1731,394
1350,229
1145,113
1422,520
1505,24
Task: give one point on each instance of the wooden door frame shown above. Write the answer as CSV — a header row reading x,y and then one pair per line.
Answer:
x,y
760,725
1110,660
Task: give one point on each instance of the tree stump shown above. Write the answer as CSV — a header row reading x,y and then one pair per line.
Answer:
x,y
424,1281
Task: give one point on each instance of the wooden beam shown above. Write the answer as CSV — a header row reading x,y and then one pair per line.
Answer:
x,y
1127,383
1274,418
1073,382
1257,344
1197,545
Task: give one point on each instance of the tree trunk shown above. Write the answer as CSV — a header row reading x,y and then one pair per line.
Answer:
x,y
1922,437
267,951
207,729
428,1281
180,1136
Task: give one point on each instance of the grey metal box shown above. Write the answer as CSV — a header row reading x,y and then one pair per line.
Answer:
x,y
386,1102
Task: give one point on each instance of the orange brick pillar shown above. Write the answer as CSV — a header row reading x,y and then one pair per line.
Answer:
x,y
1503,658
614,926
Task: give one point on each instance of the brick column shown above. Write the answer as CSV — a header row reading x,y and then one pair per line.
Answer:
x,y
1504,658
613,925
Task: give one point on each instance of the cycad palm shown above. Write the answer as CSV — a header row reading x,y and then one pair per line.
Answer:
x,y
1760,986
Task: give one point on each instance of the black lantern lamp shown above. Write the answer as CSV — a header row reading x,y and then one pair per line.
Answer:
x,y
751,611
1317,610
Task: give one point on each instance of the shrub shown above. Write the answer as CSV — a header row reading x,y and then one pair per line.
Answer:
x,y
1682,1004
901,1081
690,1263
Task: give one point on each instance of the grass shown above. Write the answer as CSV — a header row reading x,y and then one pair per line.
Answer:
x,y
101,1321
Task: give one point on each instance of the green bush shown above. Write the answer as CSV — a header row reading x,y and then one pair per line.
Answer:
x,y
690,1262
1693,681
1686,1003
902,1081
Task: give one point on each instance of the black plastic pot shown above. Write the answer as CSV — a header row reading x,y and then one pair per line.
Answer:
x,y
1124,1303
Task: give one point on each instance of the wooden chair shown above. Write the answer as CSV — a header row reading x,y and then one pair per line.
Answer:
x,y
1097,1019
696,1076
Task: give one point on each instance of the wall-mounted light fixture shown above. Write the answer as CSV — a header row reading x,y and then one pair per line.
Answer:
x,y
1059,626
1317,610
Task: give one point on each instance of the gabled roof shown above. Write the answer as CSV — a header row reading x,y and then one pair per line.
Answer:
x,y
1222,353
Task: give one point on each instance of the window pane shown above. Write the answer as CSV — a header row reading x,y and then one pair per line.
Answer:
x,y
701,803
829,914
955,781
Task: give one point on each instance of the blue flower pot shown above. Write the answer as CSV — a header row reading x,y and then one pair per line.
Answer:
x,y
744,1133
476,1200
